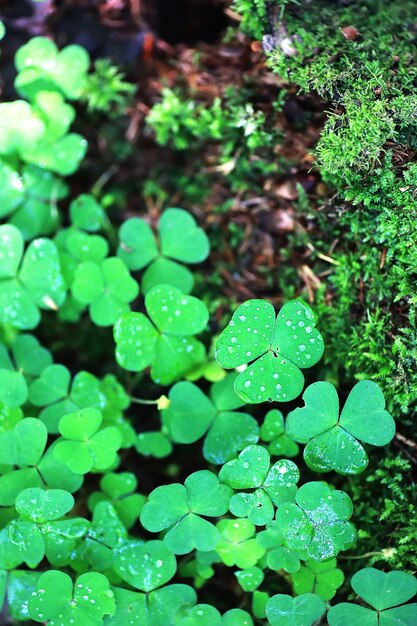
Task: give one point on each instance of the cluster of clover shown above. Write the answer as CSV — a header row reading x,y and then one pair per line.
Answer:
x,y
60,568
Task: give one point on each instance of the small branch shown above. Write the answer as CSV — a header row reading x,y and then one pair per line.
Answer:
x,y
407,442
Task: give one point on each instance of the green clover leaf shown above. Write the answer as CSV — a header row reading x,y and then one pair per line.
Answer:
x,y
250,579
37,284
281,558
21,585
259,602
41,67
324,579
158,607
86,213
119,490
61,156
237,617
12,190
36,507
23,447
273,485
275,348
317,524
86,446
333,442
105,534
167,344
278,557
283,610
20,127
179,508
54,392
39,506
26,361
384,592
107,289
145,566
36,214
191,415
180,240
238,545
273,431
153,443
201,615
60,602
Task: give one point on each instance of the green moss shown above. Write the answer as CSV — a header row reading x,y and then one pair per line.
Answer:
x,y
383,502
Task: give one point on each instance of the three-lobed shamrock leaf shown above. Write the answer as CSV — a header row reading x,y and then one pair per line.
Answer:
x,y
145,566
273,431
41,67
39,528
316,526
324,579
29,281
272,485
86,213
284,610
85,446
166,344
28,199
191,415
37,134
119,490
26,360
179,509
238,545
24,448
386,593
60,602
333,442
180,239
276,347
107,288
158,607
105,534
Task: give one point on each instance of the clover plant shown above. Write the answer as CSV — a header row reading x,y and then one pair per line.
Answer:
x,y
96,529
386,593
191,415
271,485
333,442
120,490
324,578
106,287
180,239
276,347
30,280
164,342
85,446
25,361
283,610
180,508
